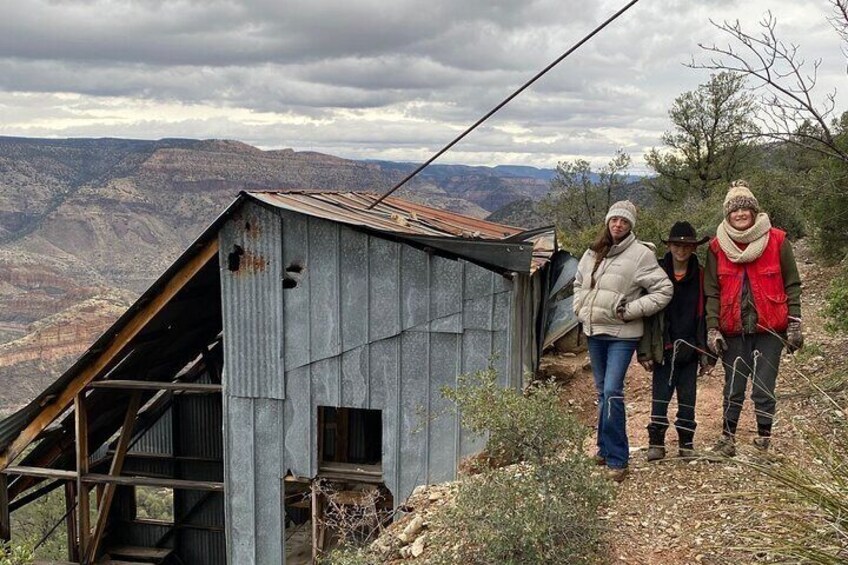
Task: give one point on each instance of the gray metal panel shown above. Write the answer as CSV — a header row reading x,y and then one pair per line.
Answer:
x,y
478,281
198,546
298,427
451,324
443,365
158,439
324,307
476,353
414,410
477,313
354,288
446,284
200,419
240,487
384,289
252,303
325,376
385,374
415,285
268,470
296,300
355,371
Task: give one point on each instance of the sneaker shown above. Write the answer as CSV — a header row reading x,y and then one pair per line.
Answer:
x,y
656,452
725,446
762,443
616,474
599,460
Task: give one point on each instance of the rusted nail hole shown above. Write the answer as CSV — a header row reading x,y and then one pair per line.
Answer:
x,y
289,282
234,258
247,226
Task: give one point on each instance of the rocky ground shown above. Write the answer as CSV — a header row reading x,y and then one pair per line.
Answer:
x,y
684,511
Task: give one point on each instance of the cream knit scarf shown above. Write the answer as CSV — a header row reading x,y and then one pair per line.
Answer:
x,y
757,236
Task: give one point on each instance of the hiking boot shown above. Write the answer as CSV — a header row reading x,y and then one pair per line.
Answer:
x,y
616,474
725,446
687,453
599,460
656,452
762,443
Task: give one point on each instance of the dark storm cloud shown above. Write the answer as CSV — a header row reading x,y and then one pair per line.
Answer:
x,y
361,76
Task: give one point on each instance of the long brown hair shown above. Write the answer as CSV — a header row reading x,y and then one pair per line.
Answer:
x,y
601,246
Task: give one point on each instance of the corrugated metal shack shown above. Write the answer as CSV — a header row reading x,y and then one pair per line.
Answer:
x,y
302,336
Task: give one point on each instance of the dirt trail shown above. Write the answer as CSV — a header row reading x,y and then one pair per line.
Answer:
x,y
676,511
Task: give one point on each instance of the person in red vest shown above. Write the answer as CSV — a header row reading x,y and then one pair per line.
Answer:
x,y
753,307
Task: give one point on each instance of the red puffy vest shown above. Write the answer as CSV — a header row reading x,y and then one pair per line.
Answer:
x,y
766,283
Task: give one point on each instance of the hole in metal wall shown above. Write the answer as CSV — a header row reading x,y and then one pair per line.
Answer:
x,y
289,282
234,258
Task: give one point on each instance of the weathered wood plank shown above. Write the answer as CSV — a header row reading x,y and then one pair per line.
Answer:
x,y
157,385
116,346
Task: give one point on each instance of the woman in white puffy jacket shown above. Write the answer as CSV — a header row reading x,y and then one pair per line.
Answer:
x,y
618,283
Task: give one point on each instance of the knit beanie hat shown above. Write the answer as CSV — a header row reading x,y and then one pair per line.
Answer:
x,y
740,196
622,209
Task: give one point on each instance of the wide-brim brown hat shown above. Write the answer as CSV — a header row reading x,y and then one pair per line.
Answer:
x,y
683,232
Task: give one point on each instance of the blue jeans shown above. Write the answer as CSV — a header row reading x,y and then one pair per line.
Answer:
x,y
610,359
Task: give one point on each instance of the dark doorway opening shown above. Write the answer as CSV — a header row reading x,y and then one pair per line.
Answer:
x,y
350,435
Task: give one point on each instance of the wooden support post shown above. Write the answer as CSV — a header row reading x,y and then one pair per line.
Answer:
x,y
71,521
315,518
105,501
5,519
84,519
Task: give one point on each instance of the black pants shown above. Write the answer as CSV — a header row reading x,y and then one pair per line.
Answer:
x,y
755,358
682,379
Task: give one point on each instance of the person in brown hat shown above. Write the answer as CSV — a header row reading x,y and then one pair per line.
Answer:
x,y
673,346
753,306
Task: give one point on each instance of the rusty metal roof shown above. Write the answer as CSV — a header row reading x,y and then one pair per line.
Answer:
x,y
405,218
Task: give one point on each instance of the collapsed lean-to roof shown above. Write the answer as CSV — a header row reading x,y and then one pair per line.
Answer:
x,y
171,323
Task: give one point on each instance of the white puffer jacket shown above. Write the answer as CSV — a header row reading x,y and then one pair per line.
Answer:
x,y
630,274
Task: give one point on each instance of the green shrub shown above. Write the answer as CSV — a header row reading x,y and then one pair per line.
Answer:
x,y
12,553
544,510
836,308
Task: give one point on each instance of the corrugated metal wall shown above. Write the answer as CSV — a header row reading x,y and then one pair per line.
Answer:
x,y
371,323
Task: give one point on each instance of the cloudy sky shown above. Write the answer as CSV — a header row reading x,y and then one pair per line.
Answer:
x,y
379,79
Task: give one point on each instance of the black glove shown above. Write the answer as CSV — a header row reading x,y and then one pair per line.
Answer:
x,y
794,336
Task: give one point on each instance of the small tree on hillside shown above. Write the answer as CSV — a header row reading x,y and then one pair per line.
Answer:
x,y
579,198
708,145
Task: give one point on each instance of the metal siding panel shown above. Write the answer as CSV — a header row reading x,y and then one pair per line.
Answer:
x,y
354,288
325,376
268,417
252,298
478,281
240,487
198,546
476,353
298,423
414,412
500,357
355,378
449,324
324,306
415,283
200,421
384,375
443,365
477,313
296,300
158,439
446,282
384,289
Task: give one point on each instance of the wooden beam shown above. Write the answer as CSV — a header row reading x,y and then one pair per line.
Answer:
x,y
43,472
105,502
117,345
81,425
157,385
5,521
94,478
71,521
